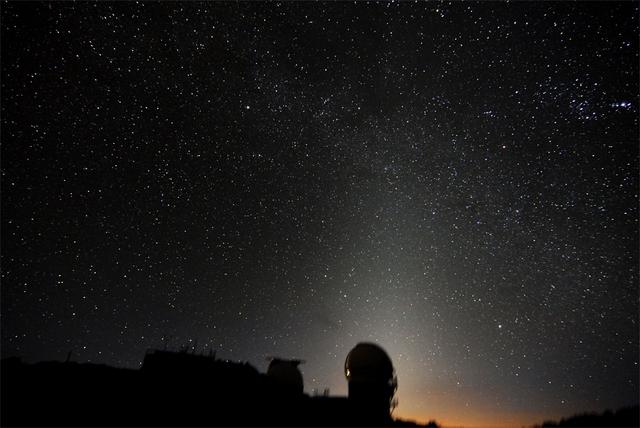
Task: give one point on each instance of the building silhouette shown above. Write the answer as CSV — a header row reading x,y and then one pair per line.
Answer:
x,y
285,376
372,382
187,389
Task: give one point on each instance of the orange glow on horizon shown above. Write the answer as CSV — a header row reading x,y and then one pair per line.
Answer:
x,y
453,412
475,421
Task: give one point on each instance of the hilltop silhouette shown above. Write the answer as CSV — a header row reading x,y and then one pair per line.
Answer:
x,y
187,389
624,417
182,388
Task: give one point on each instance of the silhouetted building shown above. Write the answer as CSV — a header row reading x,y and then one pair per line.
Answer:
x,y
372,381
185,389
286,376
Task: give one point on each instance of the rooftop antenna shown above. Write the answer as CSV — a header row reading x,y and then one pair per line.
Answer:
x,y
68,357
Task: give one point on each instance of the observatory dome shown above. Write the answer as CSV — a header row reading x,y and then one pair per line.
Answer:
x,y
286,374
368,362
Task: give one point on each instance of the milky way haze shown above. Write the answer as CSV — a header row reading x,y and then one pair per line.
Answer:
x,y
457,182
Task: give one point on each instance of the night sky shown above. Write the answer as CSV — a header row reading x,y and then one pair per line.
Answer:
x,y
457,182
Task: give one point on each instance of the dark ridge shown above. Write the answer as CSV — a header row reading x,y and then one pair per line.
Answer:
x,y
185,389
623,417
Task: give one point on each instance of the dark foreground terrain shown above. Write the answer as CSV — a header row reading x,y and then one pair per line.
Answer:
x,y
624,417
183,389
171,389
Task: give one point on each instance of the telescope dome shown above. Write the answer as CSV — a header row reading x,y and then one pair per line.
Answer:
x,y
368,362
286,375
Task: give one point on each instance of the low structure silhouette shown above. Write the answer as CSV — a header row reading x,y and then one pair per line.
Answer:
x,y
185,389
285,376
